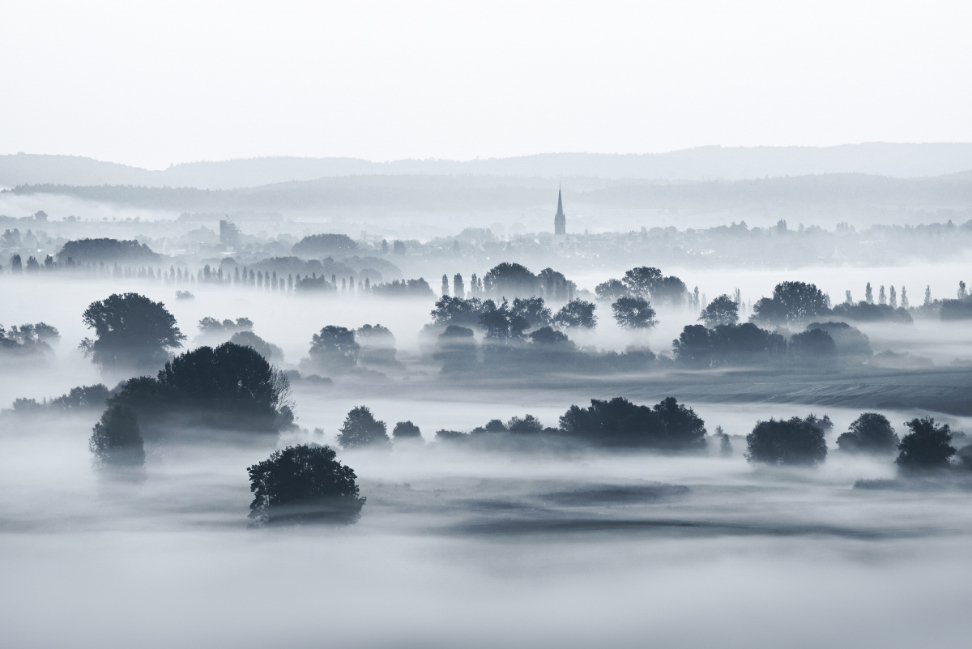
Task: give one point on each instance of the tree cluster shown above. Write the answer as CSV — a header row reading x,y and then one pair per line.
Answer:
x,y
230,386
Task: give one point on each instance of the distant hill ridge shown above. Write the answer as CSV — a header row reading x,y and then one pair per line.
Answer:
x,y
397,193
703,163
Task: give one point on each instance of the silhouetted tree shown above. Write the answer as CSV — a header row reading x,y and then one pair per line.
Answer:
x,y
815,345
555,287
458,288
116,439
234,381
869,433
640,282
319,245
927,446
576,313
456,311
304,484
619,422
361,429
445,285
848,340
725,444
791,302
794,441
131,330
693,346
532,310
611,290
406,430
334,348
511,280
634,313
549,336
528,424
456,349
501,323
377,344
249,339
721,311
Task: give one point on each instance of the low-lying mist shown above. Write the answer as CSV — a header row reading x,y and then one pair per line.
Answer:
x,y
466,544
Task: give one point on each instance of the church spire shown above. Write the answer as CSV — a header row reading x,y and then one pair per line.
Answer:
x,y
560,219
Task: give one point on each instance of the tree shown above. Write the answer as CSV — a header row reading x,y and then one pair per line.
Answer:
x,y
456,348
458,288
869,433
445,285
235,381
849,340
116,439
319,245
641,281
815,345
532,310
576,314
927,446
791,302
550,336
528,424
501,323
795,441
634,313
334,348
721,311
249,339
693,346
131,330
619,422
406,430
611,290
555,285
511,280
457,311
868,294
304,484
377,344
107,251
361,429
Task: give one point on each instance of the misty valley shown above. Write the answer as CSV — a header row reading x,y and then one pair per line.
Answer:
x,y
491,437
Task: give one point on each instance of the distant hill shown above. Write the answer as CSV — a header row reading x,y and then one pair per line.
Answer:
x,y
390,194
704,163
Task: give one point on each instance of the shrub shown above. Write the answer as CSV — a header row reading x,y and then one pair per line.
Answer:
x,y
796,441
304,484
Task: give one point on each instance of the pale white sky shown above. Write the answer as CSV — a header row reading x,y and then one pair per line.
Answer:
x,y
151,83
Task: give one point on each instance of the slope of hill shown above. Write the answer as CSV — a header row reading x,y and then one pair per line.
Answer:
x,y
704,163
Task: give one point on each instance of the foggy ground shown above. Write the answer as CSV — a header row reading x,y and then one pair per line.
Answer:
x,y
463,548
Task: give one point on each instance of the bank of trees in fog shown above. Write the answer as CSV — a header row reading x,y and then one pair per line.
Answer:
x,y
27,339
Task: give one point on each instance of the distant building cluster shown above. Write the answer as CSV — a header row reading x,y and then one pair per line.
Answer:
x,y
229,234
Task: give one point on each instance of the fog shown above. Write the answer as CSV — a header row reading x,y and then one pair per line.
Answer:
x,y
564,545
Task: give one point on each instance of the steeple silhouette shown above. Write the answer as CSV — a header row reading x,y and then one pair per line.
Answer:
x,y
560,220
